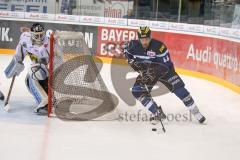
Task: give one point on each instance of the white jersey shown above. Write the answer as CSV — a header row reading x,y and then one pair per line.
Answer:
x,y
38,70
26,46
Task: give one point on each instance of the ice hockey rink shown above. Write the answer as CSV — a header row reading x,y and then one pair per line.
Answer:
x,y
24,135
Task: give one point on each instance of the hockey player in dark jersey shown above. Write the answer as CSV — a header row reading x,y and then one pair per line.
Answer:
x,y
151,59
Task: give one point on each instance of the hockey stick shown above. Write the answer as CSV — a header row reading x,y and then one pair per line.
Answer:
x,y
163,128
6,106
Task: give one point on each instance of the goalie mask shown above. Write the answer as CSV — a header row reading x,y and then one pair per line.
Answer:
x,y
38,33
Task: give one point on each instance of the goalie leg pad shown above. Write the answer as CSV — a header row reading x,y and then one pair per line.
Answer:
x,y
141,93
38,91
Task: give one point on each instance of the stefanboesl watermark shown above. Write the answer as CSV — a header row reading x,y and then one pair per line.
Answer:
x,y
82,99
142,116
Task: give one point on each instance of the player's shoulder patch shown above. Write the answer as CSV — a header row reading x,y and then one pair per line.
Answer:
x,y
159,45
162,48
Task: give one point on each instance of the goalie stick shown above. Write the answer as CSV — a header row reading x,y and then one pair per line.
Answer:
x,y
6,106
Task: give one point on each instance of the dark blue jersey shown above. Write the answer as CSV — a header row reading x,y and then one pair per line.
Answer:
x,y
156,52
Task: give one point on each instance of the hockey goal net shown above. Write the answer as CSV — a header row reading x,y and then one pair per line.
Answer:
x,y
76,90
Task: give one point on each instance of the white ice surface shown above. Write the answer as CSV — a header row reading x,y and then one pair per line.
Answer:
x,y
25,136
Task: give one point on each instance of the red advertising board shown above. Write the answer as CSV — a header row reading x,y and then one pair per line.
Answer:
x,y
217,57
110,40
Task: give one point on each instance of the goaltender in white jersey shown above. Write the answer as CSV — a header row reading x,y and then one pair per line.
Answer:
x,y
35,44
